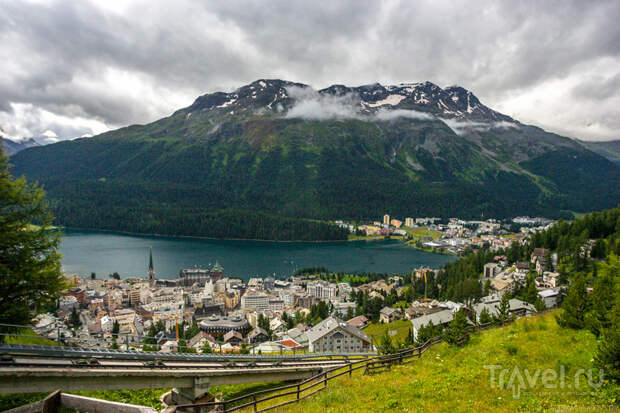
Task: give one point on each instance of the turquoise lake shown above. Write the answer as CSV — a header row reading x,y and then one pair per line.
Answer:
x,y
104,253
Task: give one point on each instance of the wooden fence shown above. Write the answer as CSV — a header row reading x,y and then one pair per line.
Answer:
x,y
311,386
319,382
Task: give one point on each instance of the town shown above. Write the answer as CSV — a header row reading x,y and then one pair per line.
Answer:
x,y
452,236
312,311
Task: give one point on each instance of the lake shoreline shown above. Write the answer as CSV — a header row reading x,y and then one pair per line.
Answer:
x,y
112,231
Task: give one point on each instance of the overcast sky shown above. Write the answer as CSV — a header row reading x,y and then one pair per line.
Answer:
x,y
74,68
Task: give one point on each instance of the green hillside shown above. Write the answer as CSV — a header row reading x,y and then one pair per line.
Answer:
x,y
457,379
268,173
396,330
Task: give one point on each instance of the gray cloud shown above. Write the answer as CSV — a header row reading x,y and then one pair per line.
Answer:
x,y
598,87
388,115
460,127
311,105
80,67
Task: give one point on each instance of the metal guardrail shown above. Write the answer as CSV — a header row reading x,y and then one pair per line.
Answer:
x,y
72,352
371,365
315,384
181,353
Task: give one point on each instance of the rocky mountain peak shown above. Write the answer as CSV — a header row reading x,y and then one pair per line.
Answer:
x,y
274,95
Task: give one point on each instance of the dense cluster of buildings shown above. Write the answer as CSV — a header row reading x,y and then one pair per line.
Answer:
x,y
228,311
501,278
454,236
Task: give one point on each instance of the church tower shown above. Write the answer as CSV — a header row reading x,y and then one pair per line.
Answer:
x,y
151,269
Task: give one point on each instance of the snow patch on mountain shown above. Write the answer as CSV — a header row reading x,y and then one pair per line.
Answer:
x,y
312,105
391,100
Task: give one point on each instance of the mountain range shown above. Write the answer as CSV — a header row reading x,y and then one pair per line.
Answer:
x,y
608,149
275,159
12,146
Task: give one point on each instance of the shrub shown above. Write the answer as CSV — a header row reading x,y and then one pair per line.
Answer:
x,y
456,333
511,349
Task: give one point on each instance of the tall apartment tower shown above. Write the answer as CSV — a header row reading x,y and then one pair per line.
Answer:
x,y
151,269
386,219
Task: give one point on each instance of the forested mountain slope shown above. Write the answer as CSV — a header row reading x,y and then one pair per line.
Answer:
x,y
275,149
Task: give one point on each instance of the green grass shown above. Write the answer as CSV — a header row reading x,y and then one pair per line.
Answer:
x,y
353,237
232,391
29,337
446,378
376,330
144,397
579,215
419,233
141,397
455,379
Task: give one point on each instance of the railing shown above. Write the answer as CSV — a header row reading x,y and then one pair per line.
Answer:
x,y
133,350
312,385
371,365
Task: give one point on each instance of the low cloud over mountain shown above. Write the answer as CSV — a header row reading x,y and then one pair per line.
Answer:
x,y
81,68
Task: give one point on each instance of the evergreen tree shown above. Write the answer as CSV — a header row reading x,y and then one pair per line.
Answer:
x,y
190,332
264,324
115,329
409,341
485,317
31,279
575,306
607,356
539,304
456,333
183,348
608,353
386,346
602,298
531,292
503,311
75,318
350,313
426,332
487,288
206,348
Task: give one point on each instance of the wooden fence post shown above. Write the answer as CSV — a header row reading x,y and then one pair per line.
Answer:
x,y
255,409
298,386
350,370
